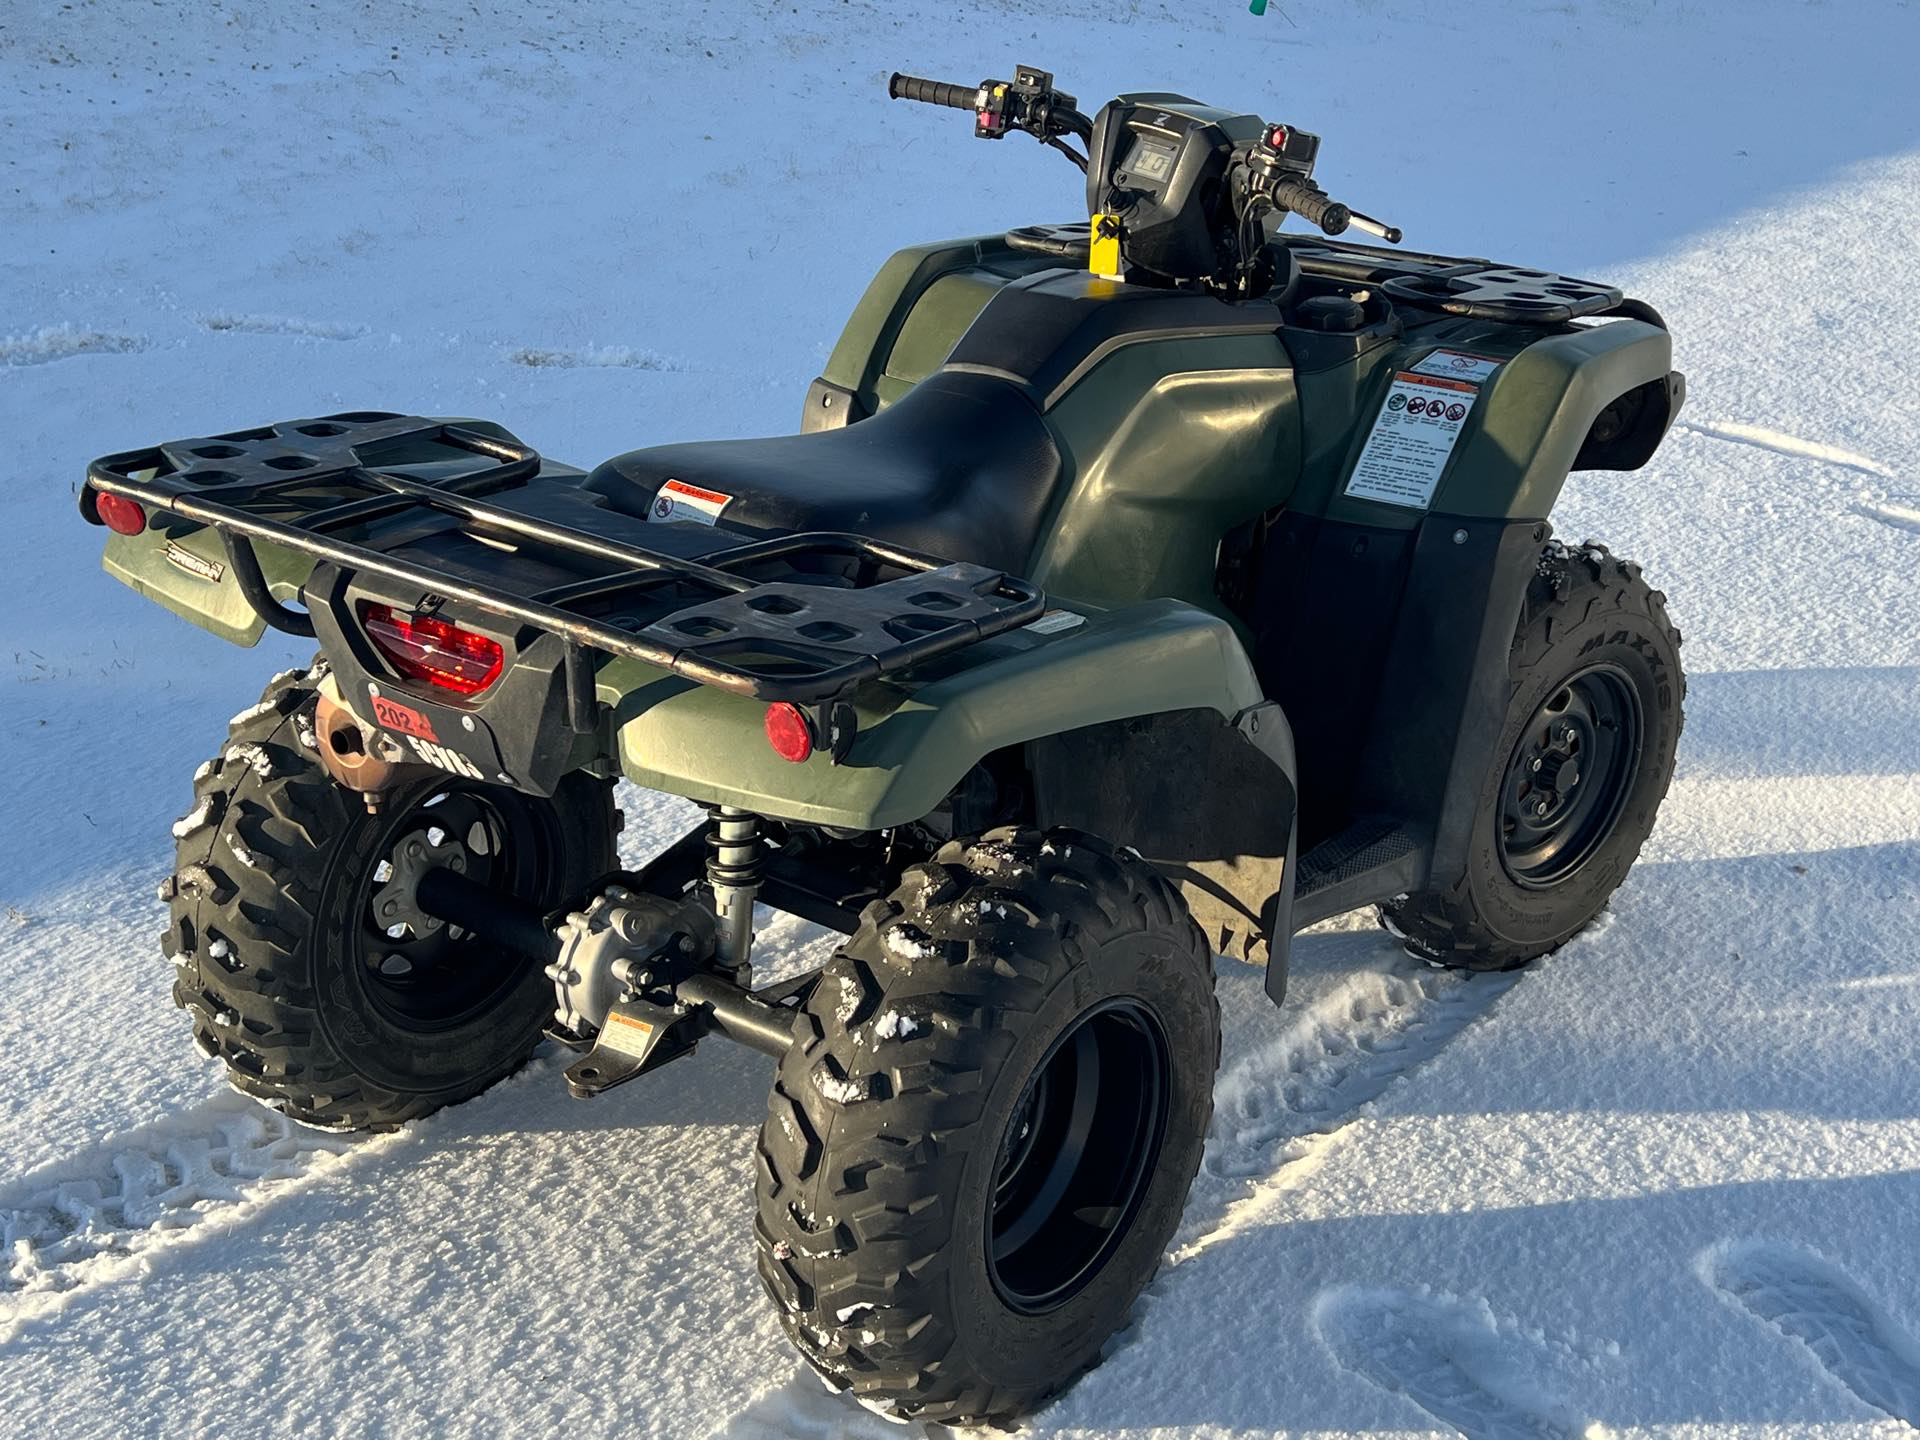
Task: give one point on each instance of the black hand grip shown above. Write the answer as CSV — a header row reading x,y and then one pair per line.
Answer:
x,y
933,92
1312,206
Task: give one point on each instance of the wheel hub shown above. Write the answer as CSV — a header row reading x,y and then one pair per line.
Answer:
x,y
396,903
1569,776
1076,1155
421,971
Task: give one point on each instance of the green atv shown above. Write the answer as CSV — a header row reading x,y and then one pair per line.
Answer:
x,y
1135,591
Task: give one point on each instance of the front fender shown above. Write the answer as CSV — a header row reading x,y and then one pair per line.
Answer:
x,y
1539,410
919,736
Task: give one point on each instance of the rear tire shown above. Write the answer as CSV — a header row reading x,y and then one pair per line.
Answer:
x,y
1595,659
282,958
982,1138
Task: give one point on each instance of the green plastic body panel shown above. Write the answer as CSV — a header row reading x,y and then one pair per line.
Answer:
x,y
1521,437
140,562
918,739
1168,444
1536,411
916,307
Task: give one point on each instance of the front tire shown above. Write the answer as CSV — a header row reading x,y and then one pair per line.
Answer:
x,y
1594,714
982,1138
307,970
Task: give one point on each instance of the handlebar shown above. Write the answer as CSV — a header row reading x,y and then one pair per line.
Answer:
x,y
933,92
1312,205
1027,103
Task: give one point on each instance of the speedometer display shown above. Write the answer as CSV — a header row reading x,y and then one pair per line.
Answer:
x,y
1150,160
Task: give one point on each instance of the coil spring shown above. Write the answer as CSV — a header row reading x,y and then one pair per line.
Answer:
x,y
732,832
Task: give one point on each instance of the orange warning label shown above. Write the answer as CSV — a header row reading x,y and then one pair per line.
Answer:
x,y
677,500
626,1033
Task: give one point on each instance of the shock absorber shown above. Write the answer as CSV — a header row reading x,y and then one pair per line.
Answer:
x,y
733,873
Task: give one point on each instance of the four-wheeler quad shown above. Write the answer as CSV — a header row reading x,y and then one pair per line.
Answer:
x,y
1136,591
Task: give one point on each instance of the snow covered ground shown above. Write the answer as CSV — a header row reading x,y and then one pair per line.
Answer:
x,y
1666,1184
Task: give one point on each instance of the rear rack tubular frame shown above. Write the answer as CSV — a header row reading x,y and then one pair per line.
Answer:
x,y
248,467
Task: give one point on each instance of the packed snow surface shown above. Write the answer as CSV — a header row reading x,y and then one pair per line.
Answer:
x,y
1666,1184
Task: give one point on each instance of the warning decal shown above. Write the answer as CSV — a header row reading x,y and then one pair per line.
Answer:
x,y
1411,440
678,500
1458,365
626,1034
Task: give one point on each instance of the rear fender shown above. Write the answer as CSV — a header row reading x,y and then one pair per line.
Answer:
x,y
185,568
919,736
1144,725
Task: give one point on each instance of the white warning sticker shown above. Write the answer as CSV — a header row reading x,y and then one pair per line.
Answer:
x,y
1055,621
678,500
1411,440
1458,365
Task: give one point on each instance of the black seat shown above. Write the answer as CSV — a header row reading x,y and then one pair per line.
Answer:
x,y
961,467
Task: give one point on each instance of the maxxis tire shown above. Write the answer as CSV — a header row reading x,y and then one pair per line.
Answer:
x,y
1584,608
884,1130
266,860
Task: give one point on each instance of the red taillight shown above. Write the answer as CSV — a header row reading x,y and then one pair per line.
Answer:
x,y
119,514
422,647
789,732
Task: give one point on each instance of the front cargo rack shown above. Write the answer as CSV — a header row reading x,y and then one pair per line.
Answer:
x,y
299,484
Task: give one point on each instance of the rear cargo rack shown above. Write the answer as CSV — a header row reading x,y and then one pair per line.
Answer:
x,y
300,483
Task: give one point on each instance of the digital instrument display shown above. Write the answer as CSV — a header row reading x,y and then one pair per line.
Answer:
x,y
1150,160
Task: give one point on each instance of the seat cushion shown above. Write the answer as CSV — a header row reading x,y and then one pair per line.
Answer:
x,y
961,467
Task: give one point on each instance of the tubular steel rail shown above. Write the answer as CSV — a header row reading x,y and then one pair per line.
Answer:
x,y
299,483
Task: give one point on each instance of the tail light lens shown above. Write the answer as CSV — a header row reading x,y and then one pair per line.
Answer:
x,y
788,732
423,647
119,514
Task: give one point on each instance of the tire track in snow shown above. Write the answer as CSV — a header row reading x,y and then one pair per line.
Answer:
x,y
1896,514
1339,1054
1455,1358
62,342
1279,1110
175,1182
804,1409
611,357
1781,443
1808,1298
229,324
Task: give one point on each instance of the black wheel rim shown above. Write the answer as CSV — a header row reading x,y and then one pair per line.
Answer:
x,y
1078,1151
422,974
1569,777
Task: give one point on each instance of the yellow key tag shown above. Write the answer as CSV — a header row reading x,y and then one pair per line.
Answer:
x,y
1103,255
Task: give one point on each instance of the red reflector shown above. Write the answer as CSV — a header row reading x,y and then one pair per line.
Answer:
x,y
121,515
788,732
421,647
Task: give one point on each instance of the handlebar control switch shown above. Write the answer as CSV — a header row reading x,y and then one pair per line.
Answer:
x,y
1027,102
1283,154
